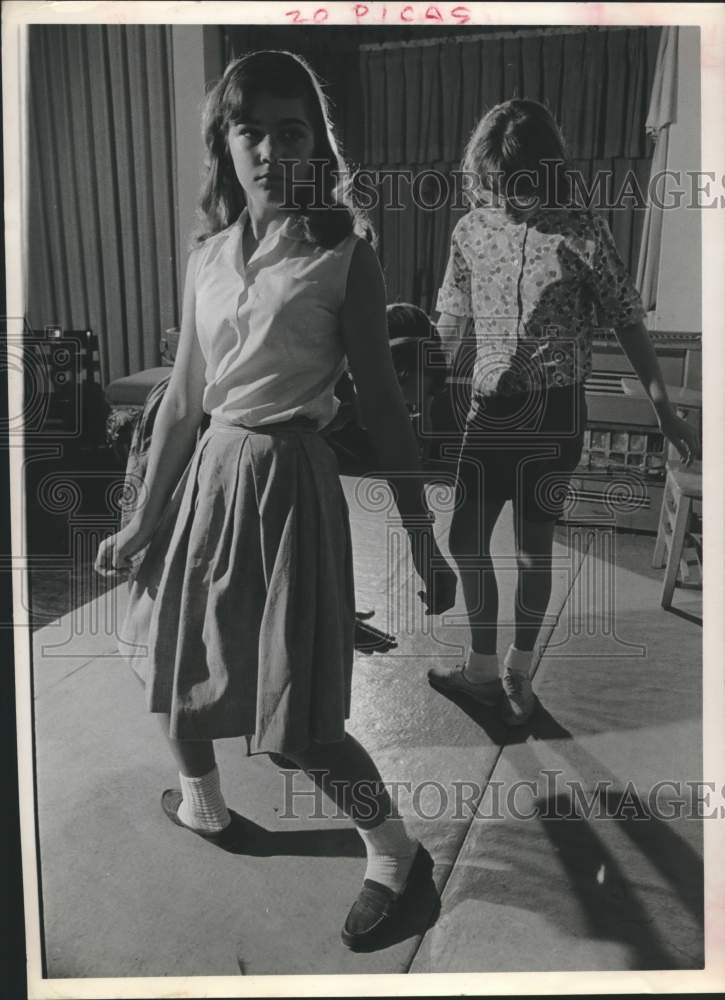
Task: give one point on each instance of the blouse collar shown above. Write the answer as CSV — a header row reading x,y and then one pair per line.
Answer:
x,y
292,228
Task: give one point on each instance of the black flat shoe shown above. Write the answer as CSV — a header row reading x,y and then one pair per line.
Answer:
x,y
284,762
376,909
231,838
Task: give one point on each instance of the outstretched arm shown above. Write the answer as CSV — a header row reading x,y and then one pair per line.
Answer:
x,y
172,443
384,413
365,336
637,345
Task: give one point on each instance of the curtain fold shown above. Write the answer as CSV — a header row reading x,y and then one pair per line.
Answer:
x,y
395,138
411,97
471,69
661,114
512,67
532,64
373,75
450,84
574,107
429,131
493,64
552,58
595,82
102,221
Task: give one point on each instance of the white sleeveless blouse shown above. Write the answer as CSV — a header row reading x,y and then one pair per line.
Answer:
x,y
269,331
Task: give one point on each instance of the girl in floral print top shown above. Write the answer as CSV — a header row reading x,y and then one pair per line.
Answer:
x,y
534,276
536,287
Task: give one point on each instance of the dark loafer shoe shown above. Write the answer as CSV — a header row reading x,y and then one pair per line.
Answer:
x,y
376,909
229,839
284,762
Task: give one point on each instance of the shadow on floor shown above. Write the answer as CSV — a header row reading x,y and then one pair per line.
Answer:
x,y
610,898
596,898
642,822
421,907
70,505
600,898
484,717
610,903
245,837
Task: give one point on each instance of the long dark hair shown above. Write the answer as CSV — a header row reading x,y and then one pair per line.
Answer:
x,y
331,214
517,152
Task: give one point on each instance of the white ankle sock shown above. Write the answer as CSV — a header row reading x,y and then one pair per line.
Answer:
x,y
390,853
481,667
202,806
518,660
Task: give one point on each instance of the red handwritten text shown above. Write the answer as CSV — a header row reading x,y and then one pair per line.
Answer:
x,y
377,14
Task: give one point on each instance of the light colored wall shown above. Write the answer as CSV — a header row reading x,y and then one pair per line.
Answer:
x,y
679,292
197,61
189,84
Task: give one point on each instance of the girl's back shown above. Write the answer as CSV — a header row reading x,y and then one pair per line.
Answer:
x,y
537,289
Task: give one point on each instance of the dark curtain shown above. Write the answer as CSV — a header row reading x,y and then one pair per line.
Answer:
x,y
422,100
102,224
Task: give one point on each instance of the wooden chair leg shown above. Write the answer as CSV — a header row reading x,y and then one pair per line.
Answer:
x,y
679,530
660,552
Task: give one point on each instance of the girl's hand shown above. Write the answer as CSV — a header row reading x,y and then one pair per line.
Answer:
x,y
115,552
681,434
369,639
439,579
440,590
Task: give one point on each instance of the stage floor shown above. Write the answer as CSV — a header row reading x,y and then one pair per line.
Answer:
x,y
553,877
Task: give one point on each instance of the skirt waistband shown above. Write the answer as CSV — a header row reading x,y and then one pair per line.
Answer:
x,y
295,424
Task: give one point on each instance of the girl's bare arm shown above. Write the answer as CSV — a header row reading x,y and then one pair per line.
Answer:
x,y
178,419
636,344
365,336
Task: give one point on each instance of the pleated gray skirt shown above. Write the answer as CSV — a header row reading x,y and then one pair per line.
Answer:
x,y
241,613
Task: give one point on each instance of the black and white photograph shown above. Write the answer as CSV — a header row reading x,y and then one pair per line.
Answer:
x,y
365,397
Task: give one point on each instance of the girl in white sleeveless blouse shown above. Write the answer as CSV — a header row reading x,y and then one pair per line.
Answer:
x,y
241,611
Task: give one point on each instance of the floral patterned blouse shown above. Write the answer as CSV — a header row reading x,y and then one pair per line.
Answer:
x,y
537,290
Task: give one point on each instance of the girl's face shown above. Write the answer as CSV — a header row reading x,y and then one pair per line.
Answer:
x,y
272,130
